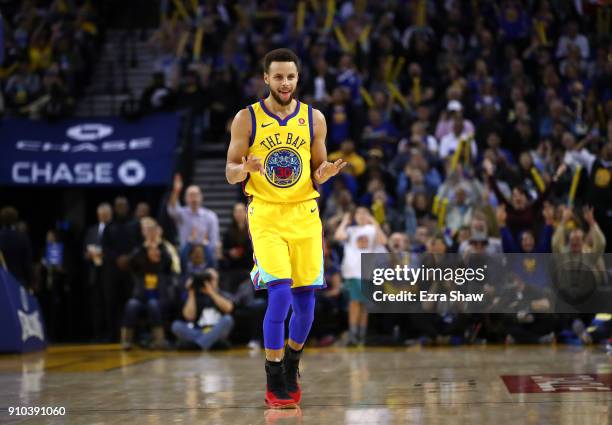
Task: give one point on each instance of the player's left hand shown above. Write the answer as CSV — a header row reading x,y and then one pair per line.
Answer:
x,y
329,169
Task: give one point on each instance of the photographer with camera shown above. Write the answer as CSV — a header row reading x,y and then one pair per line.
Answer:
x,y
206,311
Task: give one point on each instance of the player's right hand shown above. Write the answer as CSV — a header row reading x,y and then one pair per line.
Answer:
x,y
252,164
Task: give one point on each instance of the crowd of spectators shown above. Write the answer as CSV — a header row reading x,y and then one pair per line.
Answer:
x,y
138,285
47,55
469,127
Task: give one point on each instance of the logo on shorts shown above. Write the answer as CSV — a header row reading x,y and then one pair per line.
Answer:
x,y
283,167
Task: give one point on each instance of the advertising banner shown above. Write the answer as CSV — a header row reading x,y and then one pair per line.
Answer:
x,y
88,152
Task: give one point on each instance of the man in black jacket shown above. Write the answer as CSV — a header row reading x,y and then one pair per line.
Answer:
x,y
95,261
117,245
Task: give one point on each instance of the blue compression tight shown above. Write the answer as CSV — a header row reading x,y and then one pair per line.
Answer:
x,y
302,316
280,298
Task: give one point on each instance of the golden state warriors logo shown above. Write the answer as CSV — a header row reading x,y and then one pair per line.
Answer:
x,y
283,167
529,265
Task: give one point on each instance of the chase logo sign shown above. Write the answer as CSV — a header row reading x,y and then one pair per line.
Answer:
x,y
283,167
104,152
89,132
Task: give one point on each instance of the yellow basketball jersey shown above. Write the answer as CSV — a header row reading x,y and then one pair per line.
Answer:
x,y
283,145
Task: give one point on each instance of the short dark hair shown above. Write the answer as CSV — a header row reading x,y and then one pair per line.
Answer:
x,y
9,216
522,189
280,55
439,236
197,246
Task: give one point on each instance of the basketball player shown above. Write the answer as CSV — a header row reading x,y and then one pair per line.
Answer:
x,y
277,150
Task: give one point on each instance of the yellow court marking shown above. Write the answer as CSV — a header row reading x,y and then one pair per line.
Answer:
x,y
76,358
104,361
75,348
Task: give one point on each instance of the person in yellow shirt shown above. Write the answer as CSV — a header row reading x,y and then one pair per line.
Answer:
x,y
40,52
277,150
356,163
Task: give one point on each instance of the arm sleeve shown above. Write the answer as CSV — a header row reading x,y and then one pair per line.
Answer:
x,y
213,236
174,212
473,150
599,240
508,242
402,184
349,234
582,157
166,260
444,189
537,204
475,194
498,193
184,254
545,242
558,239
410,221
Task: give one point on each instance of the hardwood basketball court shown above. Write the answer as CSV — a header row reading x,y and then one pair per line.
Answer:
x,y
475,385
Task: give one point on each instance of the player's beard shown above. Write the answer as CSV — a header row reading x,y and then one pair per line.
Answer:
x,y
279,100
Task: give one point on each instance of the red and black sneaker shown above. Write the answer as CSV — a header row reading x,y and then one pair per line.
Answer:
x,y
291,363
277,396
